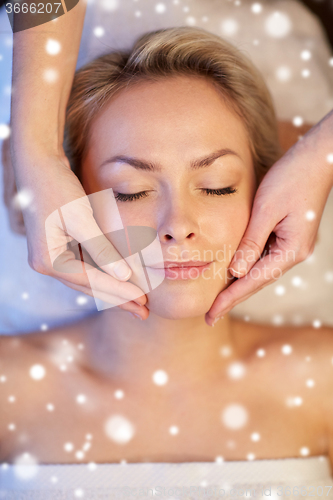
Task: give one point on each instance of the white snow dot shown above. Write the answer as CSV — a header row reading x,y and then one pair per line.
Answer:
x,y
81,399
298,400
304,451
255,436
236,370
286,349
81,300
173,430
255,42
316,323
307,358
280,290
86,446
44,327
92,466
329,158
219,459
250,456
277,319
50,407
305,73
191,21
37,372
88,437
330,62
234,416
256,8
79,493
229,27
283,73
23,199
99,31
11,399
138,13
53,47
298,121
296,281
306,55
119,429
25,296
21,470
225,351
109,5
292,401
63,367
246,317
119,394
278,25
261,353
329,277
68,447
79,455
160,8
53,479
12,427
310,215
3,378
310,382
4,131
186,9
160,377
50,75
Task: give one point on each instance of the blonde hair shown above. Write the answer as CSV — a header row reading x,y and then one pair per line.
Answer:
x,y
166,53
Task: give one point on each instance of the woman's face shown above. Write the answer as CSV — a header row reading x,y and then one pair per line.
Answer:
x,y
176,130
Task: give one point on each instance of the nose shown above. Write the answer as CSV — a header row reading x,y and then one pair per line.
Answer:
x,y
179,224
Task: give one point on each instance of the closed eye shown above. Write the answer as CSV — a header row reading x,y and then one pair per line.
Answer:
x,y
131,197
220,192
144,194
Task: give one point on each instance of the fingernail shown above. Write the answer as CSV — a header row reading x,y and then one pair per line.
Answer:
x,y
216,320
239,266
136,315
122,271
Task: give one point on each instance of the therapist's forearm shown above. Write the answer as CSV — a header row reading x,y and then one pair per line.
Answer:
x,y
315,150
38,106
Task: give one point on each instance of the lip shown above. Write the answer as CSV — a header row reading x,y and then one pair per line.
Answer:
x,y
181,270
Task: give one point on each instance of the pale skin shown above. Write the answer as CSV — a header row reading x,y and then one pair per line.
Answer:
x,y
113,351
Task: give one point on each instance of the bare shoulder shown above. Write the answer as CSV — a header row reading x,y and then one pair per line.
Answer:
x,y
300,351
31,368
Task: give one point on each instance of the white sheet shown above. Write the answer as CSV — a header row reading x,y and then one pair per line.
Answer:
x,y
106,481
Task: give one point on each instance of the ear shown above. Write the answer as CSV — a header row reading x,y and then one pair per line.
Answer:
x,y
15,215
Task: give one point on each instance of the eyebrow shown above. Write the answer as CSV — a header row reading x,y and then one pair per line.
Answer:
x,y
154,167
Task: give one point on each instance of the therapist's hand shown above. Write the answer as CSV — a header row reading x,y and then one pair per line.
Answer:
x,y
54,186
289,203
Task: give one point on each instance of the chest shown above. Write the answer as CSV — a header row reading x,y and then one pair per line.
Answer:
x,y
241,418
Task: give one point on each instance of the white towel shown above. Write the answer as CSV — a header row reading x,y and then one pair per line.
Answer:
x,y
230,479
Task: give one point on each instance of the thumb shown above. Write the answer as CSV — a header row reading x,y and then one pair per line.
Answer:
x,y
252,245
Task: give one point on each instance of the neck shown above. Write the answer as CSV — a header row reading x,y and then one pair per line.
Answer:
x,y
128,350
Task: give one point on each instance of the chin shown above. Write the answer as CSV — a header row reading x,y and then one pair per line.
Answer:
x,y
182,301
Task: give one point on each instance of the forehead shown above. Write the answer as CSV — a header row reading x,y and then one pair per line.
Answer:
x,y
172,114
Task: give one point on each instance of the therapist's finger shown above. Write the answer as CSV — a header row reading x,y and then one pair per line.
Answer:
x,y
265,272
80,273
75,220
262,223
130,306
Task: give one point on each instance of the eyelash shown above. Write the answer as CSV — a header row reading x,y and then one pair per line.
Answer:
x,y
143,194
